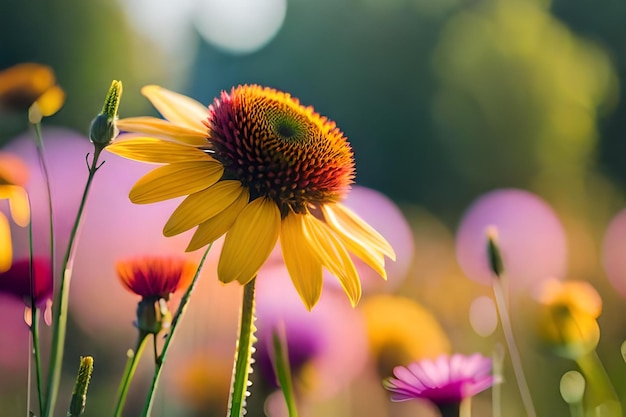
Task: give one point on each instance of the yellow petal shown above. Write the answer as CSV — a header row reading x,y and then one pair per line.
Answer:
x,y
334,256
163,128
373,258
28,79
175,180
19,206
351,226
157,151
51,101
302,262
201,206
250,241
210,230
6,250
177,108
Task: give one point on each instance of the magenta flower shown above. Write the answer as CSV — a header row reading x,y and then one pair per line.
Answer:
x,y
445,381
17,283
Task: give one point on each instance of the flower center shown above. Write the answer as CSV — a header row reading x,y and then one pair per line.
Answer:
x,y
279,148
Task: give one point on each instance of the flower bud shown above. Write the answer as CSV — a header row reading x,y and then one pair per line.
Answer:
x,y
566,322
79,395
103,129
153,316
493,252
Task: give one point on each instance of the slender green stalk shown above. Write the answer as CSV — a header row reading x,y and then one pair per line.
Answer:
x,y
243,353
46,176
147,409
129,372
516,360
496,389
34,324
62,300
450,409
603,394
465,408
283,370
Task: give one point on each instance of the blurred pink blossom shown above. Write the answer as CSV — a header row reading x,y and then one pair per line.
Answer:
x,y
530,237
329,342
614,252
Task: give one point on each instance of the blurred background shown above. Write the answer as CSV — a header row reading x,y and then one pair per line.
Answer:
x,y
445,102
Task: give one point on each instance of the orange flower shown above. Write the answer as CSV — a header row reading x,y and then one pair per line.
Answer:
x,y
155,276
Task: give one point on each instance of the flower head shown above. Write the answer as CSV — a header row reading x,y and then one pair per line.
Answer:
x,y
446,380
30,86
17,281
155,276
256,165
567,319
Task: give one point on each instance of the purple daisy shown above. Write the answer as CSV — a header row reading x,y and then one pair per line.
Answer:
x,y
446,380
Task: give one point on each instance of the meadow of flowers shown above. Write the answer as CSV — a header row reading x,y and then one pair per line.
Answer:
x,y
205,257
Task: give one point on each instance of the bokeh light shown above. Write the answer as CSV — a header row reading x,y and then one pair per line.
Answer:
x,y
530,236
483,316
614,252
239,26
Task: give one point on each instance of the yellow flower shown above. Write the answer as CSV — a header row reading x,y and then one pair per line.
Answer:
x,y
255,165
31,86
401,331
567,317
13,176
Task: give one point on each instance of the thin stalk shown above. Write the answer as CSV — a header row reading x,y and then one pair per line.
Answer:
x,y
604,395
576,409
46,176
465,409
129,372
452,409
60,316
496,389
29,377
516,360
37,354
34,324
283,369
243,353
147,409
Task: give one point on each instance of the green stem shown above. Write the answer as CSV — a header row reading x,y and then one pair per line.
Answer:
x,y
604,397
46,176
516,360
576,409
129,372
34,325
283,369
243,353
62,300
147,409
34,328
450,409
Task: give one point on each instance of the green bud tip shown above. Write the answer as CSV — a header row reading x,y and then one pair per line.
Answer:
x,y
79,395
103,129
112,100
493,251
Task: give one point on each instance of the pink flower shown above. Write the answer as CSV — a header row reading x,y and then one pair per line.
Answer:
x,y
446,380
16,281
